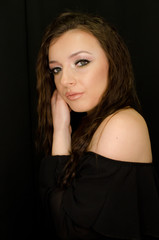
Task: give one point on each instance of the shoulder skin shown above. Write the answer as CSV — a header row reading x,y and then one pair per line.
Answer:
x,y
123,136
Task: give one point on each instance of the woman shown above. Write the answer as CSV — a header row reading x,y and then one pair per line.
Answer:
x,y
97,181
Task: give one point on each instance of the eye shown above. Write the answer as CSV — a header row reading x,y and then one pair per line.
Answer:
x,y
82,62
55,70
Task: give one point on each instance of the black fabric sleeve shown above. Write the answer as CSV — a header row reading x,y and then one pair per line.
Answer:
x,y
52,199
108,199
50,169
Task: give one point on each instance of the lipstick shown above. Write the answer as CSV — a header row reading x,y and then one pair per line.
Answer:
x,y
73,96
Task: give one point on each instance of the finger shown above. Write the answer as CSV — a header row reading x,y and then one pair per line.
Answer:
x,y
70,128
59,97
69,108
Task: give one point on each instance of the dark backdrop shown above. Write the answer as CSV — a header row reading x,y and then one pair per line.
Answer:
x,y
22,23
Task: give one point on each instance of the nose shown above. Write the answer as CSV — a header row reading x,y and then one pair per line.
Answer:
x,y
67,78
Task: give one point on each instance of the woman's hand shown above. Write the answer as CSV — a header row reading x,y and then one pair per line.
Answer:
x,y
61,125
60,112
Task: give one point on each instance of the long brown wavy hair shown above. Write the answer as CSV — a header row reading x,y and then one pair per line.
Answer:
x,y
120,92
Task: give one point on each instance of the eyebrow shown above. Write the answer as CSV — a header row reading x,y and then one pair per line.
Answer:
x,y
76,53
72,55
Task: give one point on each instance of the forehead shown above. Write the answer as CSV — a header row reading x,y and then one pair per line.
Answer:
x,y
73,41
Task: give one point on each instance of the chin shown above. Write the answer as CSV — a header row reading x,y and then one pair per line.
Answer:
x,y
81,108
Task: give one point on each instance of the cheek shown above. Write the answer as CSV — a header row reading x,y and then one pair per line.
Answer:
x,y
100,80
57,85
59,88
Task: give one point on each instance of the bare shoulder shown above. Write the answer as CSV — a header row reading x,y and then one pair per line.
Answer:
x,y
125,137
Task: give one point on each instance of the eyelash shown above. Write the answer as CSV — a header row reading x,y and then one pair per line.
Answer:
x,y
85,61
56,70
52,71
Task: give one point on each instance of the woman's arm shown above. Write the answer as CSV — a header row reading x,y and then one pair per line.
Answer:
x,y
61,124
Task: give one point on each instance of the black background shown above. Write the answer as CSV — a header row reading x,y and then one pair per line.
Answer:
x,y
22,24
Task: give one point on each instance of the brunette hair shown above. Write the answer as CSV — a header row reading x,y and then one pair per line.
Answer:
x,y
120,92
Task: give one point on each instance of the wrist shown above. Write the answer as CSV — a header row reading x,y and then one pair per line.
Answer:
x,y
61,130
61,142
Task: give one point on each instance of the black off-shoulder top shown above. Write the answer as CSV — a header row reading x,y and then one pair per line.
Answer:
x,y
108,199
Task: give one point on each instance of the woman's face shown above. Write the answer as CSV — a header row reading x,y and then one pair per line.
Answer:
x,y
80,69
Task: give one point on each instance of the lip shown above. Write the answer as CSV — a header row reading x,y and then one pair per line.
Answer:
x,y
73,95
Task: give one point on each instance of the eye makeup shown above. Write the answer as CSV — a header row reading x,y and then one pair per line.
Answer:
x,y
77,60
82,62
55,70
